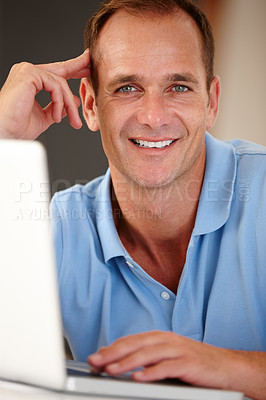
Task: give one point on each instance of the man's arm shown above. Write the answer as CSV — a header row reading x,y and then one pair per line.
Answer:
x,y
168,355
21,116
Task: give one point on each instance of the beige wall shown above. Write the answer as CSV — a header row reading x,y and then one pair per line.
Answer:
x,y
241,63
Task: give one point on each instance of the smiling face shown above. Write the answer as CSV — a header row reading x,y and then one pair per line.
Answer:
x,y
152,105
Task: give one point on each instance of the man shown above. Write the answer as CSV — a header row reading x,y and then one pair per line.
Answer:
x,y
166,252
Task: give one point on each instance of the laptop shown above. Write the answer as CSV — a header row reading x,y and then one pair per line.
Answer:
x,y
31,341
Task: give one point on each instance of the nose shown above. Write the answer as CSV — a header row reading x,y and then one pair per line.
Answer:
x,y
153,111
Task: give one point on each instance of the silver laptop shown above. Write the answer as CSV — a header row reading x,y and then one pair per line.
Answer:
x,y
31,342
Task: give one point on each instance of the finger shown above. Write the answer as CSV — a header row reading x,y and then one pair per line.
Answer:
x,y
165,369
96,371
63,100
48,116
124,346
210,368
146,356
48,111
74,68
183,370
83,73
57,105
73,114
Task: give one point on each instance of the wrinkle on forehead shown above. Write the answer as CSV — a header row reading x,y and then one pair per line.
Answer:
x,y
112,36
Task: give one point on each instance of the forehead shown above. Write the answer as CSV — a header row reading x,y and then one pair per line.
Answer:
x,y
132,41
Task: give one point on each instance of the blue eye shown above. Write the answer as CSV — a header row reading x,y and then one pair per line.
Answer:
x,y
127,89
180,88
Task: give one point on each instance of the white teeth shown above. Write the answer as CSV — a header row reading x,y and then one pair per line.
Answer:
x,y
157,145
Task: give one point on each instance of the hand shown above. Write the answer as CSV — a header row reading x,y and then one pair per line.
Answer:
x,y
21,116
168,355
163,355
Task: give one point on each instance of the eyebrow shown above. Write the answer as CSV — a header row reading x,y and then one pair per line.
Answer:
x,y
120,79
186,77
176,77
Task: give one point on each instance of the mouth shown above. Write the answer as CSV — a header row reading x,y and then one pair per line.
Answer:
x,y
152,145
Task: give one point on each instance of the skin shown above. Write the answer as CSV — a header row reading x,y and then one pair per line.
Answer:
x,y
151,52
21,116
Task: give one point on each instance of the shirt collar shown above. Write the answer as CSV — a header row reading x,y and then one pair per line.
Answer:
x,y
218,186
214,205
111,244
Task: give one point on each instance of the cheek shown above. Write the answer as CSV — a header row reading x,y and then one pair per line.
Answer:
x,y
192,113
114,121
197,118
109,129
108,114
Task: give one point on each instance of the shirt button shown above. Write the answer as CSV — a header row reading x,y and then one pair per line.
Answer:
x,y
129,264
165,295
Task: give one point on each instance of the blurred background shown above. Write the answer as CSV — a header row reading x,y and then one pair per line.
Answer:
x,y
41,32
240,35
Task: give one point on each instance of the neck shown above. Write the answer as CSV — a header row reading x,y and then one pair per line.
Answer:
x,y
160,213
155,224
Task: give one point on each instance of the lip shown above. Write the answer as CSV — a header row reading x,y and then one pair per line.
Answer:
x,y
149,139
152,149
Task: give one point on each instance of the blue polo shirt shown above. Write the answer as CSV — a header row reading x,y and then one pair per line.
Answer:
x,y
221,297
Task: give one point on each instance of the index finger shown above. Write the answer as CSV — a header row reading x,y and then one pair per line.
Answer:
x,y
124,346
74,68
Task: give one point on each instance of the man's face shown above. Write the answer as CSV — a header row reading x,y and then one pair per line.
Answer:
x,y
152,106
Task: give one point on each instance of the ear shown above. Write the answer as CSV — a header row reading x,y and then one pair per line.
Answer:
x,y
89,104
213,102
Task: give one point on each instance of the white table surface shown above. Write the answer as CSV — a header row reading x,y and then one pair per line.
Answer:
x,y
15,391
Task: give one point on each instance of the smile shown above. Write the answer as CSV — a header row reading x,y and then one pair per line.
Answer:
x,y
156,145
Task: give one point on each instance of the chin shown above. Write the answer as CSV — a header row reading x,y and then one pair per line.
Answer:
x,y
152,181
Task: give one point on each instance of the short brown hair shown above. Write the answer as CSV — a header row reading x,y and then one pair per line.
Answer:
x,y
159,7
